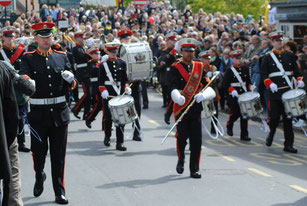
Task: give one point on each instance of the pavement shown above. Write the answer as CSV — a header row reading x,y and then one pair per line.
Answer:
x,y
234,173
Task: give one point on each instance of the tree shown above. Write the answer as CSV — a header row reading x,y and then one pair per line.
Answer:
x,y
254,7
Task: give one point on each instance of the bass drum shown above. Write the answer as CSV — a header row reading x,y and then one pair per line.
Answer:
x,y
138,57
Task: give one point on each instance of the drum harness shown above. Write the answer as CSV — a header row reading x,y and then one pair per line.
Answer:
x,y
265,125
117,90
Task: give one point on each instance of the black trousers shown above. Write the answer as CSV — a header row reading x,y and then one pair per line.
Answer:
x,y
165,94
85,100
223,98
144,93
56,137
21,134
136,94
276,109
190,128
235,114
216,114
91,116
107,124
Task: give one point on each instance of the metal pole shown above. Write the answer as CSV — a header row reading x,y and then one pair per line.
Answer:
x,y
26,7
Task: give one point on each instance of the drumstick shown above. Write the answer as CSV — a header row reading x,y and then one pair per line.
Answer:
x,y
284,87
125,91
253,88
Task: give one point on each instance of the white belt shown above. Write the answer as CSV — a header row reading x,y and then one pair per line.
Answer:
x,y
48,101
111,83
94,79
236,84
81,65
277,74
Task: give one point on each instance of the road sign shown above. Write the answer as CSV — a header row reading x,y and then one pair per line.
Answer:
x,y
5,2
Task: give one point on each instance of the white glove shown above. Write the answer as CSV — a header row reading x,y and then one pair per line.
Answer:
x,y
68,76
209,74
253,87
104,58
273,87
128,90
234,93
105,94
300,84
177,97
177,46
199,97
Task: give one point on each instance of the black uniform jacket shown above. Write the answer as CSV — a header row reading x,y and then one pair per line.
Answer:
x,y
268,66
46,71
176,81
118,69
9,53
230,78
81,57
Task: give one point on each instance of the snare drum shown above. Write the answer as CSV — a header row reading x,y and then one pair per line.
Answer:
x,y
295,102
249,103
138,57
208,108
122,110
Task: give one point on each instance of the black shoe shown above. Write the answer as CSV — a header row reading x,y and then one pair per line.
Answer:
x,y
88,124
75,114
245,138
107,141
166,119
164,106
23,148
121,147
290,149
269,141
39,185
196,175
145,107
61,199
180,166
229,132
137,138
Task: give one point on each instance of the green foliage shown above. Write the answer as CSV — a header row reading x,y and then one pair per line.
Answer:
x,y
254,7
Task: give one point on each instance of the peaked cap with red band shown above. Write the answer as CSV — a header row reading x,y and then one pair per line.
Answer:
x,y
8,31
112,47
276,35
125,33
236,53
171,36
93,50
205,54
188,44
43,29
79,34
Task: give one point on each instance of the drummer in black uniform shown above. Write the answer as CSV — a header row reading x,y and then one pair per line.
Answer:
x,y
83,75
278,81
49,115
168,57
113,81
189,76
93,68
12,54
236,86
125,37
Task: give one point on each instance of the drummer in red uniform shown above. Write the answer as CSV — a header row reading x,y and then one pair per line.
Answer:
x,y
113,81
278,80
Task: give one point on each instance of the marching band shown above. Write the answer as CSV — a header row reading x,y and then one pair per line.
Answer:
x,y
107,80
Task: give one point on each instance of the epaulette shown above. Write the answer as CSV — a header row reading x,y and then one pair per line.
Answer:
x,y
269,52
175,63
29,52
60,52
